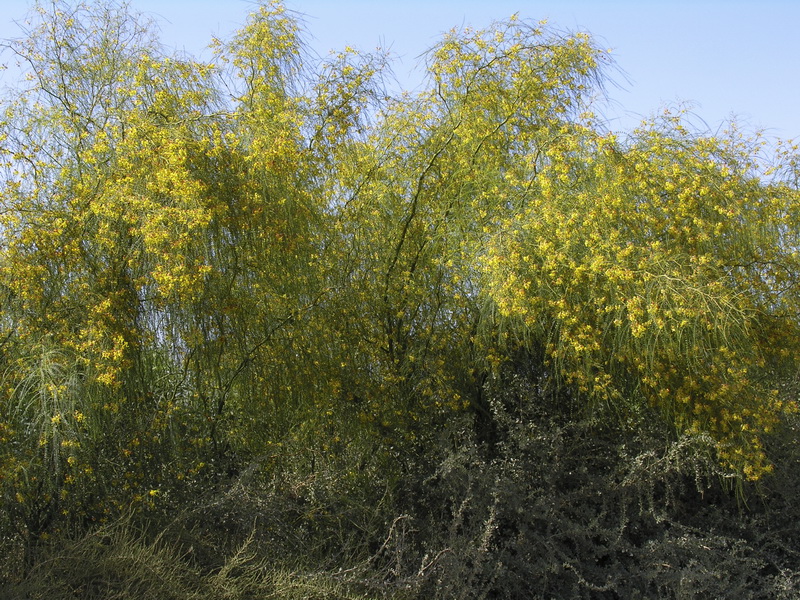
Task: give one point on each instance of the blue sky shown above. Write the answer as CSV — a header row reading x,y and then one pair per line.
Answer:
x,y
724,57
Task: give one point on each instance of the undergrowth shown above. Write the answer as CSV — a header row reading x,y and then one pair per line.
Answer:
x,y
548,508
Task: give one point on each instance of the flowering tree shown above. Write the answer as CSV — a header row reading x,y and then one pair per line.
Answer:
x,y
265,258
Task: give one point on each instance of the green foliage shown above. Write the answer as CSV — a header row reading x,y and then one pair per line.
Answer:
x,y
332,341
657,272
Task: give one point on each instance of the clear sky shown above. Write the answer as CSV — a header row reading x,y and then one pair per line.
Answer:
x,y
725,57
